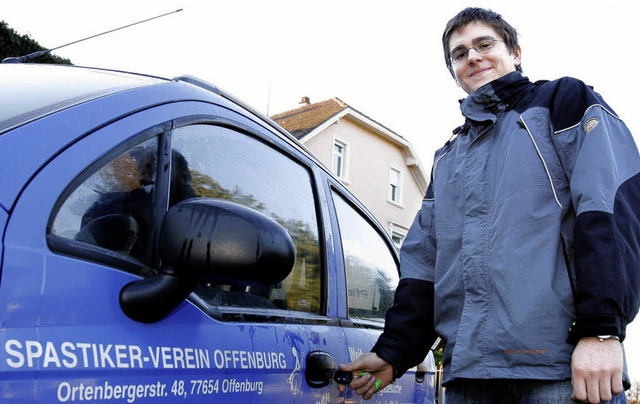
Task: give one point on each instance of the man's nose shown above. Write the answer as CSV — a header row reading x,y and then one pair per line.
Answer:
x,y
473,54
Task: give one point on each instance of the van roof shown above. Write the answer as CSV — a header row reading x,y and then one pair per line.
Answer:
x,y
30,91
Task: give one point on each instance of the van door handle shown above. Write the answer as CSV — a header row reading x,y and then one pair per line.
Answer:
x,y
421,372
320,369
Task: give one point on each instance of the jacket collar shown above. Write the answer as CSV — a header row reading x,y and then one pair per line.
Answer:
x,y
497,96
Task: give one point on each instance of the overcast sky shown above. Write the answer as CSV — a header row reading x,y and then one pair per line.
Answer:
x,y
383,58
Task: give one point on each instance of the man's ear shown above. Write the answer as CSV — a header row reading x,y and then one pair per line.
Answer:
x,y
517,56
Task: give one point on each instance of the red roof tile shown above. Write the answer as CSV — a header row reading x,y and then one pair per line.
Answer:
x,y
303,120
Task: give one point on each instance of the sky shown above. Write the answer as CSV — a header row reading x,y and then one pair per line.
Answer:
x,y
383,58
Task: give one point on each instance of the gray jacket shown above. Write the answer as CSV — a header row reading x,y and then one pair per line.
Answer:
x,y
528,238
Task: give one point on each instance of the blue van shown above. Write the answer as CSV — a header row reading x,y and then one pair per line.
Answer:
x,y
162,242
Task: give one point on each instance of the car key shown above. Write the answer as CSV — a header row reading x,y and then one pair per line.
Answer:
x,y
342,377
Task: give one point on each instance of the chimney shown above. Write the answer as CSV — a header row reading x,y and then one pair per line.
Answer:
x,y
305,101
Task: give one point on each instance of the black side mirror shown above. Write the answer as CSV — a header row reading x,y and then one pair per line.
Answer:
x,y
219,241
210,241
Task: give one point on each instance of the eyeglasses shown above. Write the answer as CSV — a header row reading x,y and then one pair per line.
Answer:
x,y
481,45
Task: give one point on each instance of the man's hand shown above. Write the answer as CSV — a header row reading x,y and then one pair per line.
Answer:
x,y
596,370
366,370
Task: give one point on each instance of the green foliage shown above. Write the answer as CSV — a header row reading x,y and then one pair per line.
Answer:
x,y
13,44
438,354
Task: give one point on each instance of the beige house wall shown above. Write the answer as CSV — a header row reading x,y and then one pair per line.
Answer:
x,y
370,157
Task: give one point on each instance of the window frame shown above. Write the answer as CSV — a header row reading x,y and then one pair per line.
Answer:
x,y
344,157
398,188
367,216
246,126
399,230
235,313
67,246
394,235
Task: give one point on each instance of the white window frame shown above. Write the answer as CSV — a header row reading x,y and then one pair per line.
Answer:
x,y
399,231
344,162
399,188
394,235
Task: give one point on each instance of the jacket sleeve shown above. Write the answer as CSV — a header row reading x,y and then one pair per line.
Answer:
x,y
602,164
408,330
409,327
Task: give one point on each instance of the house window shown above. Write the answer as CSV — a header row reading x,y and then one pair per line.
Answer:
x,y
340,158
397,239
395,185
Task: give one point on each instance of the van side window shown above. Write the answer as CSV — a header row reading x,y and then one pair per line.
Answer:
x,y
371,270
113,207
227,164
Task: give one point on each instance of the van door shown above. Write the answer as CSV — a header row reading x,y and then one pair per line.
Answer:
x,y
65,337
371,271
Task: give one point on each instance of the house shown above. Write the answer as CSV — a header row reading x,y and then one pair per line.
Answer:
x,y
379,166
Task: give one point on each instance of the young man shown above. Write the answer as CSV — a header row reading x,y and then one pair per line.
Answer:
x,y
525,256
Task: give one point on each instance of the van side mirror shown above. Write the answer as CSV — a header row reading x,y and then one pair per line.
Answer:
x,y
205,240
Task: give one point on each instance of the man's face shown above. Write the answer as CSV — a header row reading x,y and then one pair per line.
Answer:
x,y
478,69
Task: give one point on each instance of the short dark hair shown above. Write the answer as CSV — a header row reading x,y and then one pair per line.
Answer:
x,y
472,14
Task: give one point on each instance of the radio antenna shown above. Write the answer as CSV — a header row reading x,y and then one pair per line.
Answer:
x,y
31,56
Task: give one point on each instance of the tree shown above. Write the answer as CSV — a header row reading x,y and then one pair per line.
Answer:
x,y
13,44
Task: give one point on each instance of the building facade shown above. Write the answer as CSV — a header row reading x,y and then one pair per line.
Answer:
x,y
379,166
